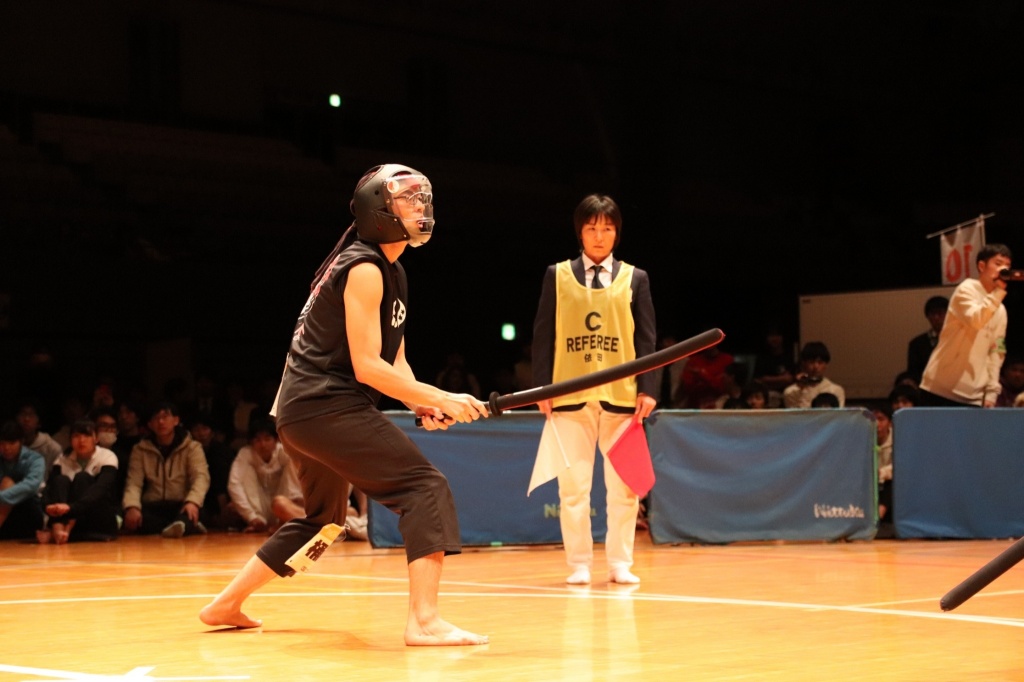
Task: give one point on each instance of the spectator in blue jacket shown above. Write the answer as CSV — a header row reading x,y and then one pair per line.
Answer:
x,y
21,477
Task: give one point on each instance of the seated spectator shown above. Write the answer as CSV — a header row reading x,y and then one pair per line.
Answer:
x,y
773,366
920,348
21,476
755,395
217,510
826,400
732,387
883,453
167,479
902,396
263,484
80,496
702,379
34,439
357,515
1012,381
811,380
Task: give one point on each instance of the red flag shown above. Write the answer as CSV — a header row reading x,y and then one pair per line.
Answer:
x,y
631,459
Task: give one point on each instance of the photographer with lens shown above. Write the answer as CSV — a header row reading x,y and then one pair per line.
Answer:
x,y
964,367
810,378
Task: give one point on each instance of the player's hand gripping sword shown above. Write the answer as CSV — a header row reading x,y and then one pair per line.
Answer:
x,y
665,356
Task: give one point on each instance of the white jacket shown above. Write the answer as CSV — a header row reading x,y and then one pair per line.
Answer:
x,y
966,361
253,483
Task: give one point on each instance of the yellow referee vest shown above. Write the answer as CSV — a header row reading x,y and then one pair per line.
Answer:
x,y
593,331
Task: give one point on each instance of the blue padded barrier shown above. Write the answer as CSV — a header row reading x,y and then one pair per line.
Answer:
x,y
736,475
488,464
958,472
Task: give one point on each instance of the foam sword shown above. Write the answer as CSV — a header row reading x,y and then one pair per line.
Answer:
x,y
647,363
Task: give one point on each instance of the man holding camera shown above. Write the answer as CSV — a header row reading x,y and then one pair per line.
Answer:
x,y
810,379
964,367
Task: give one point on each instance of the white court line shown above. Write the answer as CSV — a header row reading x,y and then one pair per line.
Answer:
x,y
926,600
118,579
569,594
467,583
136,674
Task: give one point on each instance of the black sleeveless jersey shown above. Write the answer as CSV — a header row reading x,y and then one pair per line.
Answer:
x,y
318,377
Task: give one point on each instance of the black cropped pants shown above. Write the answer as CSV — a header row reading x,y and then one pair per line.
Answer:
x,y
363,447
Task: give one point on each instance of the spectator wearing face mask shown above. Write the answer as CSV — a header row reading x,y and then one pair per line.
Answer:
x,y
108,436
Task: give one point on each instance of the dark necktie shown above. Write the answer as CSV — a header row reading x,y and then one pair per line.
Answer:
x,y
596,282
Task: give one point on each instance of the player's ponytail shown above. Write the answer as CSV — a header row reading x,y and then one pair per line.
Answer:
x,y
346,239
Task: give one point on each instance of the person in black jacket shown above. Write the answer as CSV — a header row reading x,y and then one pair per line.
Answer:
x,y
919,349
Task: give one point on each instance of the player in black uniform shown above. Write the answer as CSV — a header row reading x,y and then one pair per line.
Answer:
x,y
347,349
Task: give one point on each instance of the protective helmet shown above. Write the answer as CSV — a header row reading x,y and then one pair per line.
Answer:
x,y
382,196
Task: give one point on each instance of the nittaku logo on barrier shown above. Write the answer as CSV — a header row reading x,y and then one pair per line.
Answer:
x,y
553,511
828,511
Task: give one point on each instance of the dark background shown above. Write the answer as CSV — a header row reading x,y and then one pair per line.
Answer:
x,y
759,151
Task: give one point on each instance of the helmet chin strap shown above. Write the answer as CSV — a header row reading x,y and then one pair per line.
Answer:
x,y
417,237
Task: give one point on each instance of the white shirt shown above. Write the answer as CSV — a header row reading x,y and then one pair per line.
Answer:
x,y
605,274
797,395
71,466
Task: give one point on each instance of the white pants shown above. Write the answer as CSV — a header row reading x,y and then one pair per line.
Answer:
x,y
579,431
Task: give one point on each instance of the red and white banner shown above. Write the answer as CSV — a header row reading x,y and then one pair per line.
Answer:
x,y
960,252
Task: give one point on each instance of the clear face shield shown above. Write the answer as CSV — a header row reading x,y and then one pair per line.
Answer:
x,y
409,197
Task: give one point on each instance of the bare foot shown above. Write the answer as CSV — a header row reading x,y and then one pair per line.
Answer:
x,y
441,633
60,533
216,614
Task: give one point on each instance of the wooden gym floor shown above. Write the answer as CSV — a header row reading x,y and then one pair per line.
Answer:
x,y
126,610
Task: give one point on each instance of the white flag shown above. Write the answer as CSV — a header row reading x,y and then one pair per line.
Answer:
x,y
551,458
960,252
